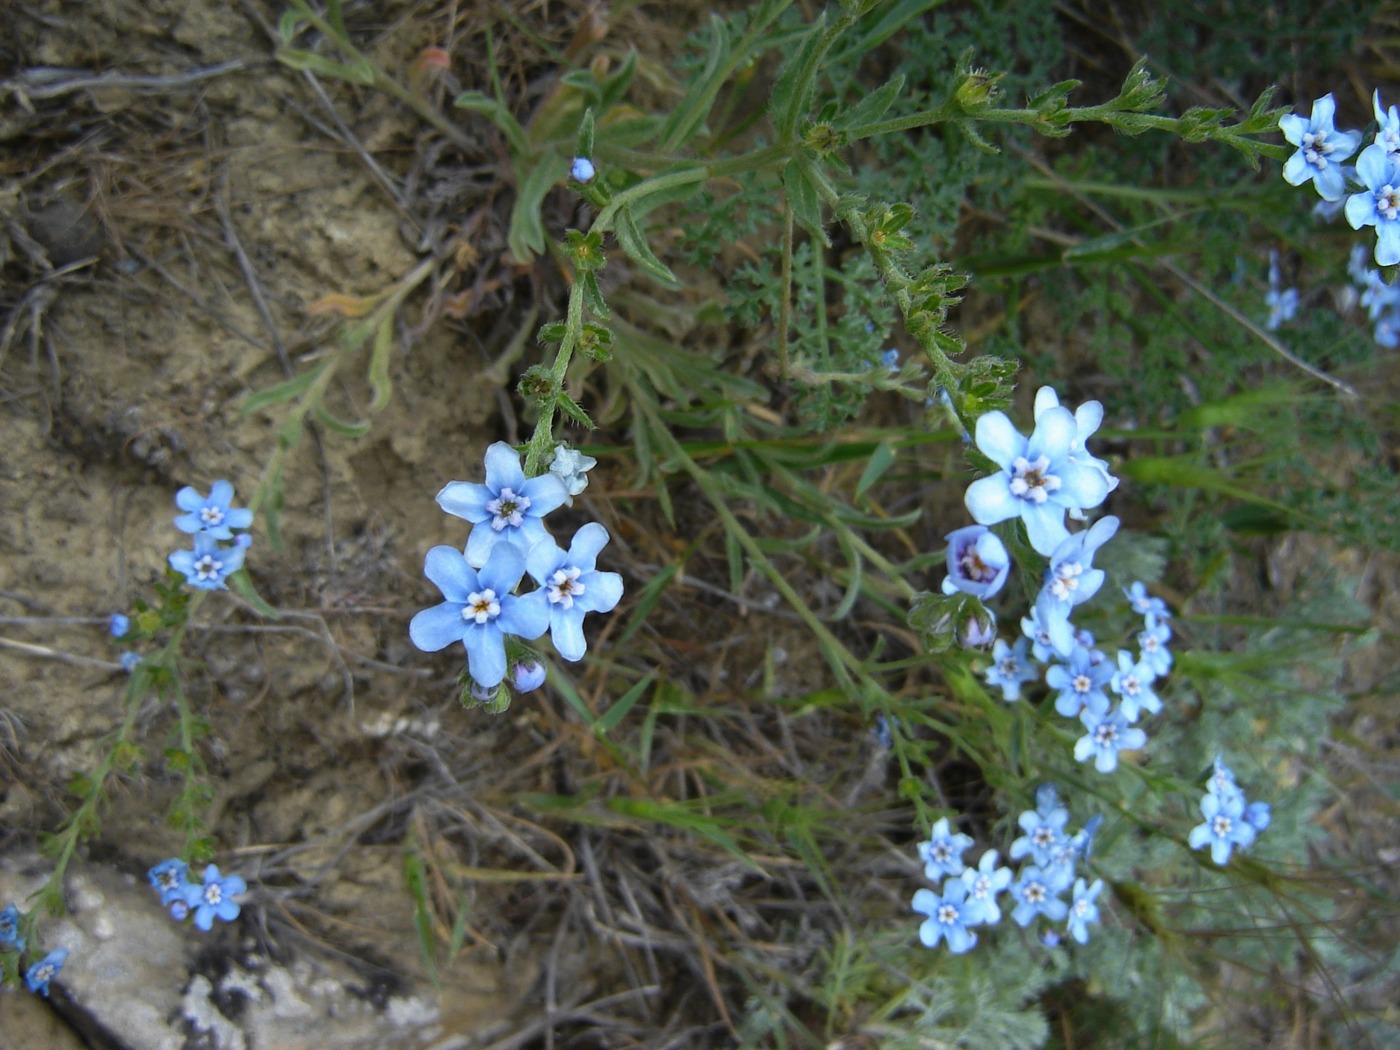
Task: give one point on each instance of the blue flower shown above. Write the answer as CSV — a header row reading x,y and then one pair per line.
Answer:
x,y
1222,780
168,877
1044,828
1087,419
527,677
9,929
1039,478
977,562
984,882
1036,627
1080,681
1010,668
1083,910
1152,646
572,587
207,566
1143,603
1133,684
1108,734
213,516
507,508
890,359
45,970
1282,302
129,661
947,918
1036,895
1257,814
1389,121
1224,827
480,609
118,624
582,170
942,853
1379,204
213,898
1072,578
1321,149
571,467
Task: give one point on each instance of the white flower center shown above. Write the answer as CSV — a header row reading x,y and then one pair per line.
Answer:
x,y
1082,683
1034,893
1316,148
213,894
1081,906
481,606
982,887
1106,735
947,914
211,516
564,586
507,509
1221,826
1149,643
1043,836
1388,201
1030,481
208,567
941,851
1066,578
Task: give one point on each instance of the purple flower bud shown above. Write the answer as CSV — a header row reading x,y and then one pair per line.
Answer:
x,y
582,170
527,677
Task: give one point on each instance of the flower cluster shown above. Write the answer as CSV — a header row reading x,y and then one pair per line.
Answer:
x,y
1282,302
41,971
508,540
968,897
1230,819
207,899
220,536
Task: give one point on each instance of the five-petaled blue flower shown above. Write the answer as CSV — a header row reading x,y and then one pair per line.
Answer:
x,y
1087,418
118,624
213,898
169,878
1282,302
9,929
942,853
1040,477
1035,895
1083,910
947,917
984,882
1010,668
1080,680
212,516
1108,733
1152,646
1388,134
1143,603
45,970
1044,828
1321,149
1379,204
208,565
1224,827
507,508
1133,684
572,587
977,562
480,609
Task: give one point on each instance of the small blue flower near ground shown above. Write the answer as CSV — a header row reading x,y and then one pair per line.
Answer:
x,y
1222,779
1108,734
507,508
38,976
1044,828
582,170
1087,419
942,853
1321,149
118,624
947,919
1080,681
1133,684
572,587
9,929
1044,645
213,898
169,878
984,882
1152,646
1010,668
207,566
480,609
1282,302
1258,815
1039,477
1379,204
1035,895
1224,827
212,516
1083,910
1143,603
129,661
571,467
977,562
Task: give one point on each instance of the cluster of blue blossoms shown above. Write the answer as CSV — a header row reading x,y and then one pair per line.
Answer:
x,y
1043,480
508,540
220,536
1231,820
1049,856
41,971
207,899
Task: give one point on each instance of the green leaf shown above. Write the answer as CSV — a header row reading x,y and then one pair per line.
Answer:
x,y
805,200
526,237
488,107
340,426
880,461
242,585
793,89
872,107
381,386
633,241
360,72
280,393
614,715
583,146
415,877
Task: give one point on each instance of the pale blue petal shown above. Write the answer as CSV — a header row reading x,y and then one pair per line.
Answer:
x,y
1083,748
1297,170
1220,851
1106,761
486,653
1200,836
526,535
566,631
189,499
221,494
1133,739
999,440
238,518
925,901
1081,485
234,884
1361,210
1045,524
989,500
960,940
545,493
1045,398
1324,111
1329,183
482,541
183,562
1087,418
525,616
437,628
451,574
1388,242
1054,434
587,543
503,568
503,471
602,592
544,559
1294,128
1371,166
465,499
